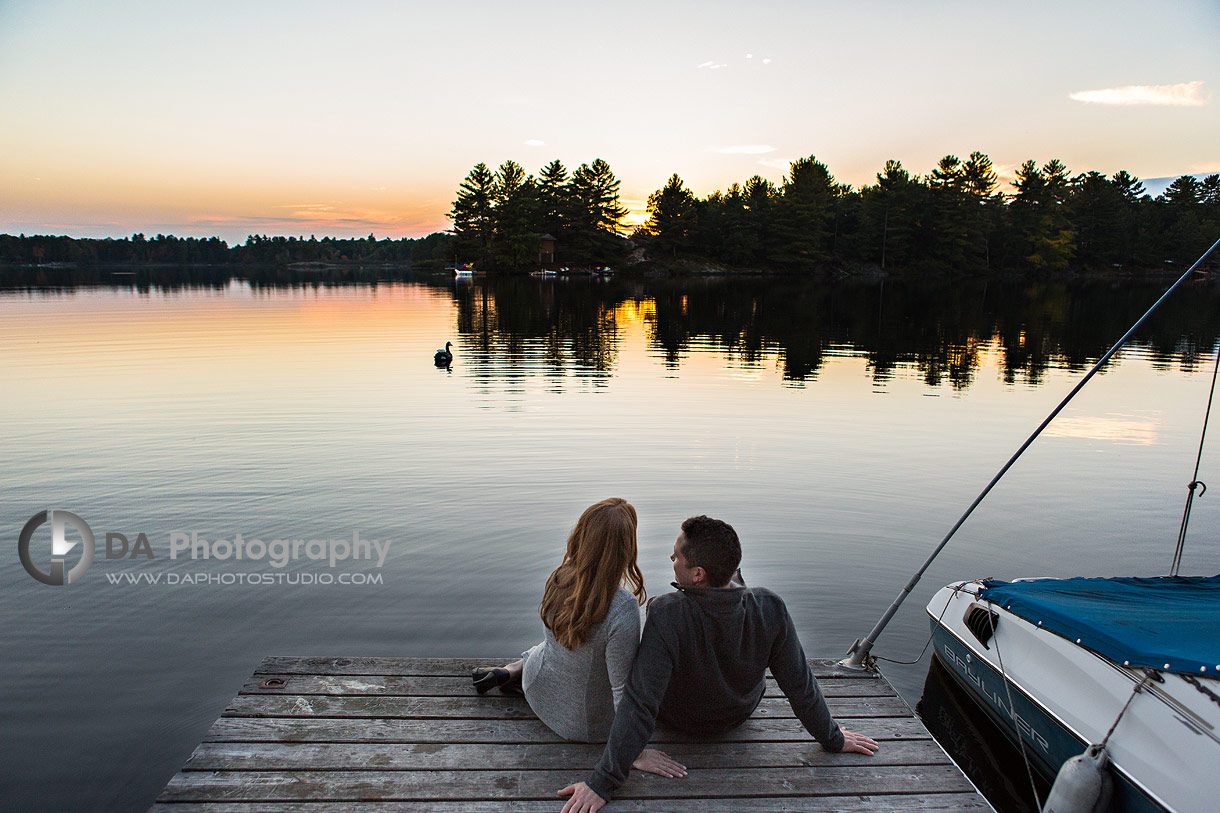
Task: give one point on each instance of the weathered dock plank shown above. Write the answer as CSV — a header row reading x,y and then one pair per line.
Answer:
x,y
459,685
925,802
825,780
279,665
259,756
493,707
373,729
411,735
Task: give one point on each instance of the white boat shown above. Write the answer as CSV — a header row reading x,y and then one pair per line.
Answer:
x,y
1066,664
1074,652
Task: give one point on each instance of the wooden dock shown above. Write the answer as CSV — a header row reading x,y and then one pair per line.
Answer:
x,y
411,735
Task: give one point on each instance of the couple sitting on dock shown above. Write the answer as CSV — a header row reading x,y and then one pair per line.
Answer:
x,y
699,666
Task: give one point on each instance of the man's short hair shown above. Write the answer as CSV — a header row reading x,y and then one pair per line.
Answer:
x,y
712,544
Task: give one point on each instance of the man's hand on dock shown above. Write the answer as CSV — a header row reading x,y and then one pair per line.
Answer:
x,y
660,763
584,799
854,743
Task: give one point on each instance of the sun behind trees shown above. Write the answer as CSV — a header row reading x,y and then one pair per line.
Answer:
x,y
500,218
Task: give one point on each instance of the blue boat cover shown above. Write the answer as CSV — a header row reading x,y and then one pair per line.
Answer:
x,y
1171,623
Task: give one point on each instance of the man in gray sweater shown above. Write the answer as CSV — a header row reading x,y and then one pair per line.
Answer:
x,y
702,661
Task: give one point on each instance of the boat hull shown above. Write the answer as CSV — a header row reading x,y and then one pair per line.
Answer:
x,y
1047,743
1165,752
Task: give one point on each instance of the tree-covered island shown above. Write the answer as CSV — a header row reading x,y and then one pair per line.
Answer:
x,y
955,219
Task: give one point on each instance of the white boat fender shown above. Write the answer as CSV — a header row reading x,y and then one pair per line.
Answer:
x,y
1083,784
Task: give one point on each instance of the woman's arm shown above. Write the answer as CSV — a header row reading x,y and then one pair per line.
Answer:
x,y
621,643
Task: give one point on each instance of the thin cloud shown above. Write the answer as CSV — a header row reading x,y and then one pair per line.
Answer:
x,y
316,215
234,228
745,149
534,142
1184,94
776,163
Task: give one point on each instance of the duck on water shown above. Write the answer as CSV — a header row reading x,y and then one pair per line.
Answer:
x,y
443,357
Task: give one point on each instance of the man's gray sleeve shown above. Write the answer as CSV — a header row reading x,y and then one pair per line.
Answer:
x,y
636,716
798,684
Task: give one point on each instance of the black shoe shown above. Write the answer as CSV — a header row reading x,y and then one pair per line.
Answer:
x,y
487,678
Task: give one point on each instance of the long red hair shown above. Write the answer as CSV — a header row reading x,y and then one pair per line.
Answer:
x,y
601,556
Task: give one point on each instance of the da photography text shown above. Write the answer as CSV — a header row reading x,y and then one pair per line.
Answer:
x,y
235,548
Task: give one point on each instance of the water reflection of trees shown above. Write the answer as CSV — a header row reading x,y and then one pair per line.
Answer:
x,y
943,330
515,323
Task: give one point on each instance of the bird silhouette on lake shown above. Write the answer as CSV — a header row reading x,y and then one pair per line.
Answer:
x,y
443,357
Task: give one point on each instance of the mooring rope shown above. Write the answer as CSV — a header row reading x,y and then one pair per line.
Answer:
x,y
1139,687
1194,481
1029,771
927,643
1012,711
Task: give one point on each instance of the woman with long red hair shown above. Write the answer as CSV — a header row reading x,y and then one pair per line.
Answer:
x,y
574,678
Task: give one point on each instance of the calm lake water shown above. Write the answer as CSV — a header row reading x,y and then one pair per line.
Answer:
x,y
841,428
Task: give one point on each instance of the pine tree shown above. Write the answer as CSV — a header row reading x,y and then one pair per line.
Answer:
x,y
516,215
473,215
1181,208
1096,208
760,198
949,231
1134,226
1042,227
671,216
805,216
888,216
597,215
983,208
553,205
1128,186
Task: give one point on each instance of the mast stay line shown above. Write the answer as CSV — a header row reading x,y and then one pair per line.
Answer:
x,y
858,654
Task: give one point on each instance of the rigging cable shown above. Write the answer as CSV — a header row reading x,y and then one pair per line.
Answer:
x,y
1012,710
1194,481
859,651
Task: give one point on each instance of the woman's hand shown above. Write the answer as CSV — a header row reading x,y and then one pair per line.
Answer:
x,y
660,763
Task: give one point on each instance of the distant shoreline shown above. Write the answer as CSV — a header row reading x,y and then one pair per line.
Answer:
x,y
355,271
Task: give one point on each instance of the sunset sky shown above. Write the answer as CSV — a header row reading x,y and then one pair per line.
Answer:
x,y
344,119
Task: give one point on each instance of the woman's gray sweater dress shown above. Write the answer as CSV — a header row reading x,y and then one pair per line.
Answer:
x,y
575,692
